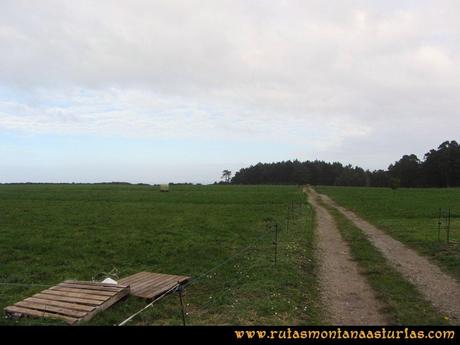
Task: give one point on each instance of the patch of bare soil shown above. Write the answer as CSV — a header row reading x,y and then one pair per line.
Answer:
x,y
345,293
442,290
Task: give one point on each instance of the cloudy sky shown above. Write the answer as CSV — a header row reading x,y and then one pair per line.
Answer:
x,y
156,91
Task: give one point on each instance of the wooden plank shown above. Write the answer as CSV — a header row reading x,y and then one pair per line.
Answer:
x,y
153,279
137,277
134,278
78,290
67,305
158,282
20,311
147,281
75,294
91,287
155,292
159,286
70,303
149,285
149,277
138,274
119,286
118,296
51,309
167,283
159,279
90,302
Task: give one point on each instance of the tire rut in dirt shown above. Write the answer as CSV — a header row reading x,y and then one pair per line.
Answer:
x,y
442,290
345,293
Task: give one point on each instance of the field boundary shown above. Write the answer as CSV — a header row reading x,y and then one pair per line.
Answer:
x,y
442,290
345,293
403,302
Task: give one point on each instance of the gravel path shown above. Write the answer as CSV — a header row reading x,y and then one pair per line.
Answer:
x,y
442,290
345,293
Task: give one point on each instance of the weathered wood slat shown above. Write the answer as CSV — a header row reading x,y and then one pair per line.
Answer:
x,y
75,294
150,281
67,305
51,309
154,292
70,302
119,286
25,311
165,284
77,290
141,280
83,301
107,303
90,287
148,278
150,285
134,278
130,278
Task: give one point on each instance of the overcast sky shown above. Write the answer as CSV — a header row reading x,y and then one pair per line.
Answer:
x,y
158,91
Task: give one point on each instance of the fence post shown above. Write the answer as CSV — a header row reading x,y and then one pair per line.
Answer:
x,y
448,226
439,225
180,290
287,220
276,242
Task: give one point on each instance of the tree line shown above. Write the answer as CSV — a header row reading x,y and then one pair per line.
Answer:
x,y
439,168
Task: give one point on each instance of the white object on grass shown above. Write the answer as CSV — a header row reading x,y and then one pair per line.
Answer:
x,y
109,281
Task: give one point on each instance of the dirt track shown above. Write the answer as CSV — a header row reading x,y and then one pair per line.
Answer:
x,y
439,288
345,293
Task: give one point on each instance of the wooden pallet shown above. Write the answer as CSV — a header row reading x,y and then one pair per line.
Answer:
x,y
71,301
151,285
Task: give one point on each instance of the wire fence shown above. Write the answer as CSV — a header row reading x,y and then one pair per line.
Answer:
x,y
293,210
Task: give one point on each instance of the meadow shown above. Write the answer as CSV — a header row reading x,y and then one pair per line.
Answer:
x,y
219,235
409,215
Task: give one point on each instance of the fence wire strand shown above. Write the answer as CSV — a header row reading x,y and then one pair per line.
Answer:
x,y
191,282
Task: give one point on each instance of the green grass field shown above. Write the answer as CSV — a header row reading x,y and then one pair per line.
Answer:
x,y
409,215
50,233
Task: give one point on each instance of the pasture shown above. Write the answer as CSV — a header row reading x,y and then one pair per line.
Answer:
x,y
409,215
219,235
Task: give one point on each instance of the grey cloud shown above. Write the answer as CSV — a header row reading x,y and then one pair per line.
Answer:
x,y
353,72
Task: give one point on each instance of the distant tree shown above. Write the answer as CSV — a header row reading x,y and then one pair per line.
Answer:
x,y
379,178
226,176
441,167
395,183
408,170
351,177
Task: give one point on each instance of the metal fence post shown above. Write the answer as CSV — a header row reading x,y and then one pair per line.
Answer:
x,y
180,290
276,242
287,220
448,226
439,225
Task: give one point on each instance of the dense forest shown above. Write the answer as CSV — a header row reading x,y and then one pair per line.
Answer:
x,y
439,168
